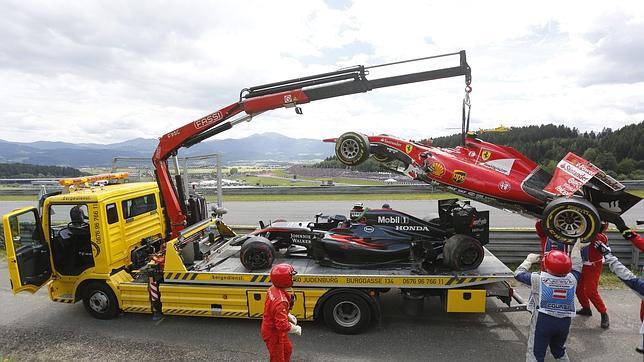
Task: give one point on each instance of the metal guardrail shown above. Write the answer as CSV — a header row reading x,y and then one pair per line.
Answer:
x,y
513,245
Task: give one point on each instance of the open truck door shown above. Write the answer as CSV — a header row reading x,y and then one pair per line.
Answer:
x,y
28,254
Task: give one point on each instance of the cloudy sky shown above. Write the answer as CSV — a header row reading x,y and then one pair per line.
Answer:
x,y
108,71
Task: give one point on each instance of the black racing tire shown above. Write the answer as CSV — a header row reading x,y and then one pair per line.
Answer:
x,y
462,252
347,313
572,219
352,148
257,253
100,301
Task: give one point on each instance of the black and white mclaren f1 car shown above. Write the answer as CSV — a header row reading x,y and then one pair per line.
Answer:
x,y
380,238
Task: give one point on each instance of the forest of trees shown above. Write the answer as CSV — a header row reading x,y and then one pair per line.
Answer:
x,y
25,170
620,153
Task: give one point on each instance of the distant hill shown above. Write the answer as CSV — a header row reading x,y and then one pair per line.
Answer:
x,y
258,147
22,170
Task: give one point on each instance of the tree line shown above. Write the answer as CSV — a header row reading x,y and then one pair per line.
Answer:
x,y
25,170
620,153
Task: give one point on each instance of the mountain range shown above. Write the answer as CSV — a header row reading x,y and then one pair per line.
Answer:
x,y
258,147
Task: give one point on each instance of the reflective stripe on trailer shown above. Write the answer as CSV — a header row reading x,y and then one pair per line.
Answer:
x,y
373,281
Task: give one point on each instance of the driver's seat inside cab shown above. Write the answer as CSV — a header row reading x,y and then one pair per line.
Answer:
x,y
70,238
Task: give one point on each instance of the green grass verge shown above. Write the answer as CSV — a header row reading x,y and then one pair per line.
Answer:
x,y
18,198
639,193
276,181
333,197
3,254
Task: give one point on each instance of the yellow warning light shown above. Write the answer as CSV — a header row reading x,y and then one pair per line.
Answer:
x,y
65,182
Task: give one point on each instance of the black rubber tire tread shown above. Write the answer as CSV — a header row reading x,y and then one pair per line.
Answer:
x,y
581,206
454,252
257,253
362,152
363,306
94,287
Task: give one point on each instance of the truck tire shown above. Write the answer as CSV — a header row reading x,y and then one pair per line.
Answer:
x,y
347,313
257,253
462,252
352,148
568,220
100,301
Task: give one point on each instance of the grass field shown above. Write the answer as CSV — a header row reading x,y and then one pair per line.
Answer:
x,y
277,181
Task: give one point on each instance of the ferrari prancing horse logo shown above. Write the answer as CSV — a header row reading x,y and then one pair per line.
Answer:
x,y
409,148
485,155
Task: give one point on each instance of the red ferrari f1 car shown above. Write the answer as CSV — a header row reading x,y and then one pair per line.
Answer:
x,y
572,203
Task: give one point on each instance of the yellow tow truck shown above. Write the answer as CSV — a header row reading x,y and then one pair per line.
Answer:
x,y
92,244
145,248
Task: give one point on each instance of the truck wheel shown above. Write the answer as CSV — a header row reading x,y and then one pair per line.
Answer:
x,y
570,219
257,253
347,313
352,148
99,301
462,252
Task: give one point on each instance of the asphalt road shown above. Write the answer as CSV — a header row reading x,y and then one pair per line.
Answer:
x,y
249,213
34,328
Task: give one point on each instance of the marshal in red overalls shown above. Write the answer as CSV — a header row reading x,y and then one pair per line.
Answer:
x,y
277,321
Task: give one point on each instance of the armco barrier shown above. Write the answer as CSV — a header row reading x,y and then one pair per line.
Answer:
x,y
512,245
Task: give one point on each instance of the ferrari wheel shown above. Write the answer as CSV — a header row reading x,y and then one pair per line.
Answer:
x,y
568,220
257,253
462,252
347,313
352,148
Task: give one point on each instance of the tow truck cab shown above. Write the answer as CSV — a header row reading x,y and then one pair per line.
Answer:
x,y
85,236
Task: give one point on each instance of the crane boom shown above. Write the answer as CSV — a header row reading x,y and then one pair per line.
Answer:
x,y
284,94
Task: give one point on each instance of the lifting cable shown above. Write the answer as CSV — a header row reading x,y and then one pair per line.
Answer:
x,y
467,107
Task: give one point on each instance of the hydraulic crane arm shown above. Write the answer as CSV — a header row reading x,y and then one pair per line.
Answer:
x,y
285,94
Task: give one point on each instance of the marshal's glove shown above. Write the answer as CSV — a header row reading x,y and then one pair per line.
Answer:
x,y
603,248
533,258
292,319
635,238
529,260
297,330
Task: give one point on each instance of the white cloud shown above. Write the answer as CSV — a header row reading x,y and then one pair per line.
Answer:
x,y
108,71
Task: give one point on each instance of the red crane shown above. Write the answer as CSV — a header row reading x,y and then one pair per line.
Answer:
x,y
284,94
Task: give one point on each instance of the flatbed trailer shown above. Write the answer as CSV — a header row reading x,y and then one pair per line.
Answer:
x,y
217,285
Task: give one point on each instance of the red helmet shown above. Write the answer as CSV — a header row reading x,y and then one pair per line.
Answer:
x,y
539,229
282,275
557,263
